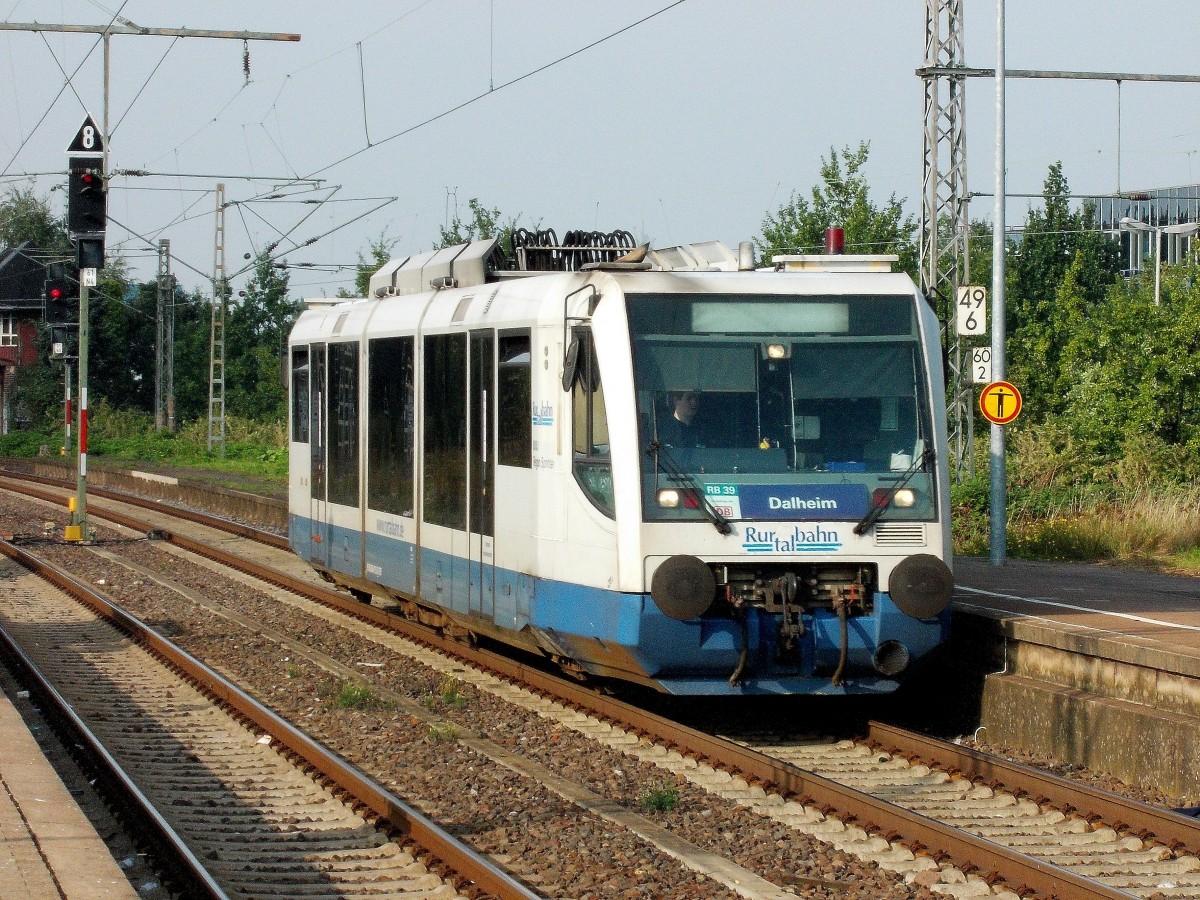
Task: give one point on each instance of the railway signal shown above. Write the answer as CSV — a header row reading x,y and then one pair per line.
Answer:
x,y
87,211
61,306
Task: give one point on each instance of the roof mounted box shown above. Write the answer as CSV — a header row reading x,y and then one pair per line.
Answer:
x,y
462,265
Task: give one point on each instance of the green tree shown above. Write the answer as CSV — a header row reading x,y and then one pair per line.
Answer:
x,y
1134,376
378,253
1062,267
841,200
483,223
193,320
24,216
256,332
121,340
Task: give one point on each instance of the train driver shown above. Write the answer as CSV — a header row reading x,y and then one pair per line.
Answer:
x,y
681,429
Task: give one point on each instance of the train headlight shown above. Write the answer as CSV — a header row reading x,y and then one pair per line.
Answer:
x,y
668,498
904,498
777,351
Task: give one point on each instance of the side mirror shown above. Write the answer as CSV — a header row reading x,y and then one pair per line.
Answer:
x,y
571,364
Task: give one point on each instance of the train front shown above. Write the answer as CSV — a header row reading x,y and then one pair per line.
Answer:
x,y
791,440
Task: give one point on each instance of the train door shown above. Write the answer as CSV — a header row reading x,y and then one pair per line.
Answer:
x,y
481,477
318,411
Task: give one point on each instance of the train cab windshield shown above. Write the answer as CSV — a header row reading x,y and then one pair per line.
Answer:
x,y
781,407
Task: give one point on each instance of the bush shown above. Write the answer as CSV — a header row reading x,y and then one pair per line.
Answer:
x,y
29,443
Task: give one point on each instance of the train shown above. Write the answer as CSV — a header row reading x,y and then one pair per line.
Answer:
x,y
678,468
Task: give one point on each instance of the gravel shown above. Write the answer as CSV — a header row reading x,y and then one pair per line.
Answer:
x,y
558,847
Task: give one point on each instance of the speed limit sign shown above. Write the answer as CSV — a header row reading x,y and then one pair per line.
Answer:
x,y
972,312
981,365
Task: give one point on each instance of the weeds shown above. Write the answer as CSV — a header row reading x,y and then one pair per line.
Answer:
x,y
449,693
663,798
352,695
442,731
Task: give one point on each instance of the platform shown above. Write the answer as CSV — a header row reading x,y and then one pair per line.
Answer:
x,y
48,848
1098,665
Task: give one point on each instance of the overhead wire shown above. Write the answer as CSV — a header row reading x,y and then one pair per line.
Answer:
x,y
145,84
184,216
491,90
67,83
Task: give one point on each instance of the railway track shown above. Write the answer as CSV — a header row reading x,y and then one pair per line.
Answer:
x,y
959,822
248,804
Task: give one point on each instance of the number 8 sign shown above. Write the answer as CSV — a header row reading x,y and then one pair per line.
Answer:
x,y
972,314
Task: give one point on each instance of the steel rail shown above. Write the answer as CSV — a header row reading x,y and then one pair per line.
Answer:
x,y
921,833
482,872
1094,804
201,518
181,864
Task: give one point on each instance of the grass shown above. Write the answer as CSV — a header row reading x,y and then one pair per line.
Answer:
x,y
1157,526
352,695
252,449
663,798
449,693
440,732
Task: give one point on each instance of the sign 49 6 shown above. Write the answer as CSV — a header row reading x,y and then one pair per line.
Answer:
x,y
971,310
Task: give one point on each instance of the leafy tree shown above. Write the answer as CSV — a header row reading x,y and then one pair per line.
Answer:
x,y
256,331
484,223
24,216
1061,268
378,253
121,340
1134,387
841,201
193,320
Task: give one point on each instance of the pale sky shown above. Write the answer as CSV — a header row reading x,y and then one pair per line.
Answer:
x,y
690,126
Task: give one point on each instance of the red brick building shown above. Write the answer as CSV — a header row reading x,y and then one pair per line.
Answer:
x,y
22,281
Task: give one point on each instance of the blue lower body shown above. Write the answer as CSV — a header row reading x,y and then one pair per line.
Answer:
x,y
625,635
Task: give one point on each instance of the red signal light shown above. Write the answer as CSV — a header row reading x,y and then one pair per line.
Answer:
x,y
56,293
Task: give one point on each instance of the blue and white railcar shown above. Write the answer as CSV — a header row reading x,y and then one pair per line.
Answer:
x,y
497,451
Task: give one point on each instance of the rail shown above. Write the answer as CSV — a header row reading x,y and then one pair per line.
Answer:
x,y
471,865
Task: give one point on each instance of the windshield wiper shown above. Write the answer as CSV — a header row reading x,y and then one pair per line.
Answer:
x,y
664,461
878,509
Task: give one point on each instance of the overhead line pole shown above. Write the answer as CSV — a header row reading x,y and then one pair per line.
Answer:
x,y
968,72
161,32
998,488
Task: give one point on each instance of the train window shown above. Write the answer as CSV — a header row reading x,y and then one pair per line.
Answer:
x,y
515,430
592,459
445,421
343,423
391,444
300,394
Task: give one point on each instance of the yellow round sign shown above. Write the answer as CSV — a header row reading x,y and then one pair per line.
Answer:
x,y
1000,402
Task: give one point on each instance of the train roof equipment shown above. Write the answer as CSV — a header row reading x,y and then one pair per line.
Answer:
x,y
538,253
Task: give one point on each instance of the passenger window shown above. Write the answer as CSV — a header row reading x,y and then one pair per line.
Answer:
x,y
343,423
445,403
592,457
300,394
391,443
516,401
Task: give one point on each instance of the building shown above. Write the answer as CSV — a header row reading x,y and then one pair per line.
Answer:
x,y
1137,218
22,280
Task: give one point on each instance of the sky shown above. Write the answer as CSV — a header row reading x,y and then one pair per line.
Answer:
x,y
679,122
